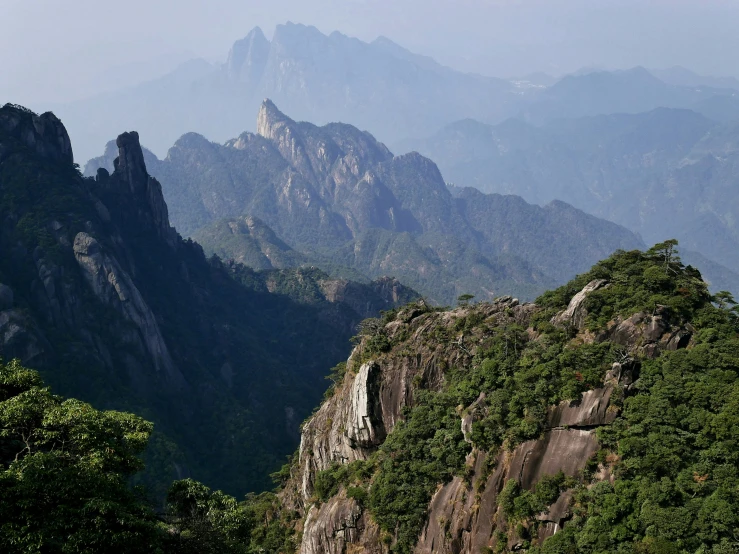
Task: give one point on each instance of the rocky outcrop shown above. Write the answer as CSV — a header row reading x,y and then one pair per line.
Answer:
x,y
589,411
383,293
576,313
648,334
43,134
364,426
340,526
464,515
130,170
115,288
353,423
273,125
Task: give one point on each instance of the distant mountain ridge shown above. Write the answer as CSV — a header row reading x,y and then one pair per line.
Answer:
x,y
379,86
335,194
662,173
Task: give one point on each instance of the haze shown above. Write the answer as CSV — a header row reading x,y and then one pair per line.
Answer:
x,y
54,51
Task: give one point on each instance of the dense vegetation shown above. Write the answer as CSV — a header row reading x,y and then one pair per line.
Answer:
x,y
64,472
674,448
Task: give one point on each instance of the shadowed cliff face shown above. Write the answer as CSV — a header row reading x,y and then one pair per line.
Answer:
x,y
100,293
467,513
43,134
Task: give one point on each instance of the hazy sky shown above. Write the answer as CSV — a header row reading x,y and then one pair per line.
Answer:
x,y
56,50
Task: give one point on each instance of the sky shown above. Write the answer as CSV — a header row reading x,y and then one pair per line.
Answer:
x,y
62,50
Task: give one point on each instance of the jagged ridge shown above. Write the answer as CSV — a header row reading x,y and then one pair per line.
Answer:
x,y
336,194
102,295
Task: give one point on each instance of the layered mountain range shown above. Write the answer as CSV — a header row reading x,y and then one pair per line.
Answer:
x,y
663,173
102,296
338,197
379,86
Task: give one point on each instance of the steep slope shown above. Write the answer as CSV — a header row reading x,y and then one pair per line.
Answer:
x,y
603,418
103,296
660,173
337,195
600,419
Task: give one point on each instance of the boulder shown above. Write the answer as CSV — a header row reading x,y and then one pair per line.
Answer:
x,y
576,313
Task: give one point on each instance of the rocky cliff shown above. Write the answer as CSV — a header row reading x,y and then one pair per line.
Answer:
x,y
100,293
489,422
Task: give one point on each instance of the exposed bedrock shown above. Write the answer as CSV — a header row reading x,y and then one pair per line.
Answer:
x,y
463,515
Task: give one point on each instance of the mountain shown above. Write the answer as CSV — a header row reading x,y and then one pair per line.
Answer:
x,y
546,427
663,173
379,86
681,76
336,195
602,418
103,297
607,92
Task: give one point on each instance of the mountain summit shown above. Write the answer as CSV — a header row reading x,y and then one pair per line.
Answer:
x,y
339,197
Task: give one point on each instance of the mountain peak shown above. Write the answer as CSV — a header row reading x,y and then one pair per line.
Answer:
x,y
130,163
247,57
270,120
45,134
130,168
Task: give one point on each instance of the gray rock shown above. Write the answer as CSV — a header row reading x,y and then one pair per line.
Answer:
x,y
364,427
113,286
576,313
589,411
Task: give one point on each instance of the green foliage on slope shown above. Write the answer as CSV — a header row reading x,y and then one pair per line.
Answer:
x,y
675,443
63,472
673,450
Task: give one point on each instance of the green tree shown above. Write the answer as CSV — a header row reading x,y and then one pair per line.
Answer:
x,y
464,299
724,299
64,468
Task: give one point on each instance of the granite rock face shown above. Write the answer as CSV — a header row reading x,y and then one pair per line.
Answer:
x,y
340,526
576,313
113,286
464,514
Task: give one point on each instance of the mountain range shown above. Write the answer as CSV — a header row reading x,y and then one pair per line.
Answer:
x,y
338,197
101,295
378,86
662,173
